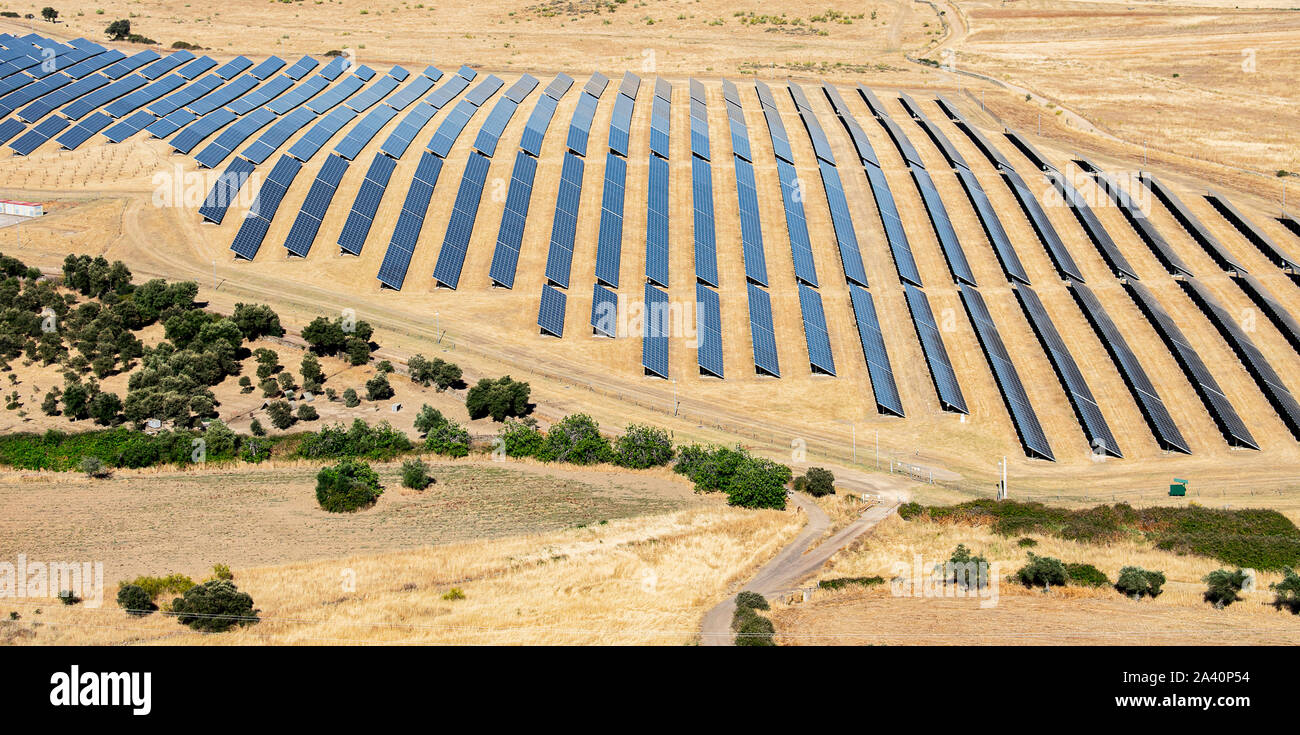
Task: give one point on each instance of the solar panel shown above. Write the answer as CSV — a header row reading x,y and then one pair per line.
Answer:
x,y
1192,225
609,241
184,96
258,220
455,244
1096,232
706,246
895,235
336,94
842,221
1272,308
564,226
621,124
392,271
262,95
1225,416
34,138
821,145
510,236
596,84
223,95
1067,370
233,67
658,327
268,67
449,90
357,227
399,140
197,67
936,355
83,131
303,231
233,137
580,124
1008,379
165,126
559,86
166,64
225,189
365,131
796,222
279,133
660,124
550,313
866,153
873,350
320,133
604,311
415,89
10,129
1060,255
1252,233
199,130
656,237
103,96
751,229
374,93
762,332
943,229
43,106
1137,218
455,122
814,329
1135,377
131,63
708,330
145,95
301,67
298,96
950,154
490,134
988,217
1269,382
484,90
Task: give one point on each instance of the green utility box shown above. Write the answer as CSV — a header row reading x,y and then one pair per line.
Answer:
x,y
1179,488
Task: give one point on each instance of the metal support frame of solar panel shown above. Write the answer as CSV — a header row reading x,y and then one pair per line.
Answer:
x,y
362,214
397,259
1192,225
1269,382
510,235
751,229
303,231
1022,412
936,355
1252,233
1086,408
1272,308
1141,224
258,220
460,227
708,330
873,350
1216,402
841,220
1096,232
815,332
1153,408
657,328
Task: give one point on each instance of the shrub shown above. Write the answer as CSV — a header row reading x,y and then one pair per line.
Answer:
x,y
257,428
450,439
909,510
437,371
1137,582
347,486
350,398
818,482
311,371
1286,594
222,571
378,388
839,583
1026,543
175,584
281,414
1042,571
453,594
68,598
748,481
753,629
642,447
255,450
135,601
576,439
1223,587
215,606
1086,575
752,600
359,440
415,474
93,467
521,437
307,412
966,569
498,398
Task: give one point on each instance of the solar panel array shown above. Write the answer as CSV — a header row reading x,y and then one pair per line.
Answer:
x,y
936,355
751,230
1192,225
510,236
1137,218
792,194
657,189
1272,308
609,240
708,331
303,232
658,327
550,317
895,235
255,225
762,331
1096,232
225,190
1256,236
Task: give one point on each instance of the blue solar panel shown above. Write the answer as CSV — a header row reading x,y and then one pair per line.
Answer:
x,y
1008,379
270,141
233,67
93,64
699,130
796,223
336,94
268,67
197,67
484,90
362,215
320,133
751,229
1248,230
223,95
399,140
660,124
130,64
460,227
303,231
762,332
301,67
943,229
936,355
538,122
166,64
873,350
559,86
893,224
185,95
450,128
1137,218
45,105
20,97
580,126
1096,232
1076,387
550,313
1060,255
253,229
449,90
335,68
262,95
708,330
780,139
1006,252
34,138
656,227
510,236
415,89
9,129
821,146
564,226
83,131
103,96
373,94
814,329
199,130
232,138
706,246
224,191
842,221
299,95
145,95
1192,225
657,329
397,259
365,131
164,127
609,241
490,133
604,311
621,123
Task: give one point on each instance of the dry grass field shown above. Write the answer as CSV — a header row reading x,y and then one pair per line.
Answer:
x,y
1063,616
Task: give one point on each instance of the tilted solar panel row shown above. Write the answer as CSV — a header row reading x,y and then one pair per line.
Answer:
x,y
233,137
564,226
377,91
1192,225
9,129
751,230
301,67
1137,218
269,66
255,225
84,130
658,327
990,152
234,67
762,332
873,350
299,95
943,229
363,132
699,126
776,128
604,311
303,231
223,192
550,312
814,330
1225,416
1046,232
314,139
198,66
34,138
609,239
1100,238
660,118
103,96
821,145
945,146
199,130
1028,151
460,227
1252,233
656,226
1269,382
131,63
223,95
796,223
278,134
706,245
39,108
736,121
895,235
866,153
362,215
262,95
415,89
1272,308
1006,252
1067,370
489,135
397,259
337,94
184,96
1008,379
143,96
130,126
936,355
1153,408
584,113
708,331
452,126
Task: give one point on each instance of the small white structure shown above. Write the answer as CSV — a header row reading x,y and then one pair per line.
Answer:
x,y
397,407
21,209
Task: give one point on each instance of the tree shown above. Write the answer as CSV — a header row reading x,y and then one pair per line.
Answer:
x,y
281,414
385,367
347,486
326,337
521,437
134,600
49,14
118,30
1042,571
93,466
1286,594
50,406
428,419
214,606
307,412
378,388
350,398
641,447
76,400
415,474
816,482
1137,582
256,320
498,398
759,483
256,428
312,374
1223,587
576,439
104,408
358,351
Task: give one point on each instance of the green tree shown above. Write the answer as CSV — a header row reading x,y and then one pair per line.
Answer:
x,y
118,30
307,412
415,474
1138,582
641,447
378,388
521,437
1286,593
49,14
498,398
1223,587
134,600
1042,571
257,320
105,408
350,398
312,374
214,606
281,414
576,439
347,486
817,482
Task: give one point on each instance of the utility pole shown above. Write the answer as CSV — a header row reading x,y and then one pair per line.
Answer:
x,y
1002,490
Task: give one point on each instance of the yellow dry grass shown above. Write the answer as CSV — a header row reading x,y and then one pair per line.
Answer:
x,y
633,581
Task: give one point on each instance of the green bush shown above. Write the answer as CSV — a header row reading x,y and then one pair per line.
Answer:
x,y
359,440
378,388
966,569
437,372
752,600
174,584
1138,582
1086,575
1286,594
521,437
576,439
1026,543
839,583
1042,571
415,474
350,398
748,481
307,412
214,607
1223,587
642,447
347,486
222,571
909,510
67,597
281,414
752,629
500,399
135,601
818,482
